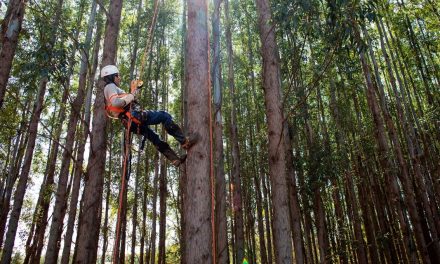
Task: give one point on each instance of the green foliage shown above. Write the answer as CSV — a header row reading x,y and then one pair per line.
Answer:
x,y
324,94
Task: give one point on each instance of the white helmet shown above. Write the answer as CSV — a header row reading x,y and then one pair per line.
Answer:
x,y
109,70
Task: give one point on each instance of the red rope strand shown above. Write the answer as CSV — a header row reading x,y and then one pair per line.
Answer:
x,y
122,192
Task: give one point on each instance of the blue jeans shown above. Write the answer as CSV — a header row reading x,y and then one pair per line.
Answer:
x,y
148,118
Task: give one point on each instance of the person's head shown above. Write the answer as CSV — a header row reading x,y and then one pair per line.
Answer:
x,y
110,74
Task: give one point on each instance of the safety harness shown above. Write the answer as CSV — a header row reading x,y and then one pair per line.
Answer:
x,y
119,110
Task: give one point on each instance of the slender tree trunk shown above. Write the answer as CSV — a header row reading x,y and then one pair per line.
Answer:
x,y
232,219
342,147
258,158
360,243
421,64
10,30
22,182
163,209
132,76
80,156
124,208
258,175
237,204
250,225
44,193
21,142
184,112
383,145
36,239
431,218
90,217
321,226
144,210
267,219
5,165
274,113
198,230
295,211
62,194
105,227
163,184
32,134
367,216
221,234
134,221
154,208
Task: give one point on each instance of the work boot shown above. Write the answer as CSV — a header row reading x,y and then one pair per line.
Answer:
x,y
165,149
190,141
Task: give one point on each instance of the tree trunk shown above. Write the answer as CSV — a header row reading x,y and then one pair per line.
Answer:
x,y
154,209
35,243
258,158
354,214
258,175
221,235
61,196
198,227
321,226
134,221
122,242
237,203
10,30
163,180
274,113
21,142
184,113
267,218
144,210
163,209
80,156
105,227
295,210
383,145
431,217
22,182
90,217
32,134
367,214
132,76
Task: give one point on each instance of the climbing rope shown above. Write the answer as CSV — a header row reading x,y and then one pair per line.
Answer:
x,y
150,38
211,168
127,145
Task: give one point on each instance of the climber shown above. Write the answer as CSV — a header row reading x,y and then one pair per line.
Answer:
x,y
118,106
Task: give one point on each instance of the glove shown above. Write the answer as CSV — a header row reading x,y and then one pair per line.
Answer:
x,y
135,85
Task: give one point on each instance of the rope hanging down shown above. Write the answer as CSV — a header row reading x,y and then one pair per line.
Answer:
x,y
211,170
127,145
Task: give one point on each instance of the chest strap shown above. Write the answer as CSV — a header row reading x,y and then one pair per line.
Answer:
x,y
114,109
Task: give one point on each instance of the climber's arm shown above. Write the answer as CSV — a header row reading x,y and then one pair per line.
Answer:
x,y
117,97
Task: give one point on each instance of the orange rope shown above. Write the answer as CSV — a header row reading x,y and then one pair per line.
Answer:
x,y
214,256
128,139
122,192
150,38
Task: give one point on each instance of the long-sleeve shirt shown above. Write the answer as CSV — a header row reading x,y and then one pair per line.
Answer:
x,y
116,97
